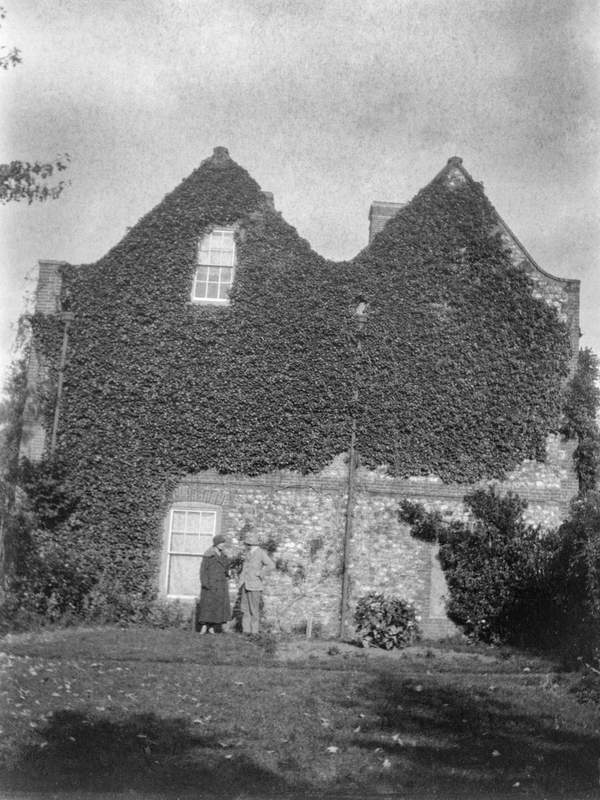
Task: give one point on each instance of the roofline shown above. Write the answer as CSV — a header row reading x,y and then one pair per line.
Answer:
x,y
456,161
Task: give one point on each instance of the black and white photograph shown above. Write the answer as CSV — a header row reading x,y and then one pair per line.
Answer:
x,y
299,399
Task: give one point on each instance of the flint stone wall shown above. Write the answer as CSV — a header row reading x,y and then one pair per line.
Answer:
x,y
305,515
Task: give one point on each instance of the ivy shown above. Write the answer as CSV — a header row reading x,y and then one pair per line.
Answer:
x,y
581,404
459,372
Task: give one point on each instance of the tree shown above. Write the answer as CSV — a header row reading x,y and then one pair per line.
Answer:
x,y
26,180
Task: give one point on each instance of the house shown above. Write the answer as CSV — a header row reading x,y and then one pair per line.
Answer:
x,y
210,372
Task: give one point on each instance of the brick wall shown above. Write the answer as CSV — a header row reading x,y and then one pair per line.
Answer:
x,y
305,515
379,213
47,301
48,287
33,436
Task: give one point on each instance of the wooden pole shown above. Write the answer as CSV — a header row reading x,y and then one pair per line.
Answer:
x,y
348,529
360,315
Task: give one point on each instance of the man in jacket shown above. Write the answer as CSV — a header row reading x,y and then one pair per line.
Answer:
x,y
256,565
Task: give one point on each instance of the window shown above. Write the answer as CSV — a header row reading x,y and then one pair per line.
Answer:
x,y
214,272
190,534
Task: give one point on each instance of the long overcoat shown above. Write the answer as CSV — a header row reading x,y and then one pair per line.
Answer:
x,y
215,605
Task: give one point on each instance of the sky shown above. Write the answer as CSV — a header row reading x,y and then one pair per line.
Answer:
x,y
329,104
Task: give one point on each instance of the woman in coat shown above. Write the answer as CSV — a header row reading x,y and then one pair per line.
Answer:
x,y
215,607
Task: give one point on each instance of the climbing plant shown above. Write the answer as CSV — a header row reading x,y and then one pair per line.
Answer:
x,y
580,421
459,371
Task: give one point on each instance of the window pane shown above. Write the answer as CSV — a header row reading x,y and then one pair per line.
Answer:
x,y
207,522
178,543
212,290
213,274
192,544
200,285
193,522
217,248
184,576
226,274
178,523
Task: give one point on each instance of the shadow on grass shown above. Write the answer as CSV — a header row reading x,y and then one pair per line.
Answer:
x,y
138,753
473,744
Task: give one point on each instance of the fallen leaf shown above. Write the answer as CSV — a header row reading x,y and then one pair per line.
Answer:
x,y
332,749
495,753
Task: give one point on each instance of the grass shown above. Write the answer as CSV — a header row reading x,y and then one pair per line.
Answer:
x,y
166,714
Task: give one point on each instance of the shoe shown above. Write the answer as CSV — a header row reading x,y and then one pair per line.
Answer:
x,y
202,629
211,630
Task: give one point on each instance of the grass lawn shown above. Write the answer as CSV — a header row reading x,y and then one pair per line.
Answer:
x,y
141,713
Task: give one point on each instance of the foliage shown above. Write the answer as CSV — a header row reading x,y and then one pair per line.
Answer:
x,y
425,525
510,582
8,57
386,622
459,372
581,406
27,180
496,566
576,578
47,578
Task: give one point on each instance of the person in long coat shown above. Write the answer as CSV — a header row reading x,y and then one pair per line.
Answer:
x,y
214,608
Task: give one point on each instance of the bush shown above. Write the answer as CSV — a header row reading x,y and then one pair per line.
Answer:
x,y
496,567
386,622
576,578
580,419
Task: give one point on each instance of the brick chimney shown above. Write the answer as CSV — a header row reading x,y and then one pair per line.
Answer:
x,y
379,213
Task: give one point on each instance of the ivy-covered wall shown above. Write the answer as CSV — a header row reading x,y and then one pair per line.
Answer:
x,y
459,373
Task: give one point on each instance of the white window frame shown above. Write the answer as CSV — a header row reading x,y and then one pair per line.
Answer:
x,y
215,259
205,540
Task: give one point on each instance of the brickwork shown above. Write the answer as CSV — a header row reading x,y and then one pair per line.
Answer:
x,y
379,214
305,516
47,297
33,436
47,301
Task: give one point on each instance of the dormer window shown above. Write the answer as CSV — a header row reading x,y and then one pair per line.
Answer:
x,y
216,263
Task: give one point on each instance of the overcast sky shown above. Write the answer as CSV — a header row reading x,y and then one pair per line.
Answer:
x,y
329,104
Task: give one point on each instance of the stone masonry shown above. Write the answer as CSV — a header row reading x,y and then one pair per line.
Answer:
x,y
305,517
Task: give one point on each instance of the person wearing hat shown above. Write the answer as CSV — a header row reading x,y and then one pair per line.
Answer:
x,y
214,608
256,565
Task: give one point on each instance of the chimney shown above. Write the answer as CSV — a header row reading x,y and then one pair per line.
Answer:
x,y
379,213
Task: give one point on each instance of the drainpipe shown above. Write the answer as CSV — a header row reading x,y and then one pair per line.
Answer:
x,y
67,317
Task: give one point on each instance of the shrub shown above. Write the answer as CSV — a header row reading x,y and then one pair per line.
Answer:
x,y
496,567
386,622
580,409
576,578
